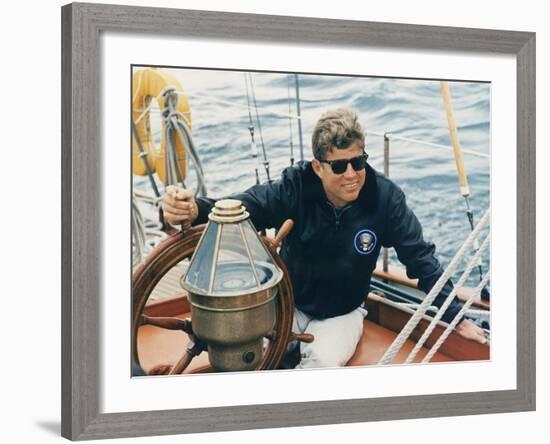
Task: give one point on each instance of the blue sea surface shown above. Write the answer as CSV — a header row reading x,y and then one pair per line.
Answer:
x,y
401,107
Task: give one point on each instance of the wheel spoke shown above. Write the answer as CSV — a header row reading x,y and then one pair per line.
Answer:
x,y
194,348
167,323
302,337
182,364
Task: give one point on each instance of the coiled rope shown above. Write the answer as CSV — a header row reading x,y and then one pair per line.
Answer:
x,y
170,115
176,124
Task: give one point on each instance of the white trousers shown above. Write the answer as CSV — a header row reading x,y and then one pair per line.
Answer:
x,y
335,338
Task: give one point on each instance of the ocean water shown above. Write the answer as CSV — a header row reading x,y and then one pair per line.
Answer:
x,y
401,107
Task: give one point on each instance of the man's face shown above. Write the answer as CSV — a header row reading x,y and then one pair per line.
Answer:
x,y
344,188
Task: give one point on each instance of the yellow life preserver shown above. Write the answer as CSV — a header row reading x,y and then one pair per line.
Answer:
x,y
147,85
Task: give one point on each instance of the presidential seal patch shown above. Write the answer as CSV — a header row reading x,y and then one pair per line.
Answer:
x,y
365,241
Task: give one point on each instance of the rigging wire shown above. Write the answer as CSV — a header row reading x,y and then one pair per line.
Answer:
x,y
290,122
268,111
253,147
265,161
265,110
297,81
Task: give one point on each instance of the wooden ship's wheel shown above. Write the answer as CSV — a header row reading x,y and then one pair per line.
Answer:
x,y
171,252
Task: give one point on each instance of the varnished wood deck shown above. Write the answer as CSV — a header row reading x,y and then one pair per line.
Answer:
x,y
169,285
159,346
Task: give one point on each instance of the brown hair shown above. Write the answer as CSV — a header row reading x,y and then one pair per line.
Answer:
x,y
336,128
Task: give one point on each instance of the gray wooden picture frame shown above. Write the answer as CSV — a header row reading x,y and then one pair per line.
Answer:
x,y
82,25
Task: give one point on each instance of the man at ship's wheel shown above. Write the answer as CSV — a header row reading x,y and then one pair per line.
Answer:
x,y
344,212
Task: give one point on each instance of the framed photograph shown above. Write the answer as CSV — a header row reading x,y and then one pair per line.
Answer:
x,y
261,136
240,96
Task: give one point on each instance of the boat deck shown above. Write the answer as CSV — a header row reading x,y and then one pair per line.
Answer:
x,y
169,285
159,346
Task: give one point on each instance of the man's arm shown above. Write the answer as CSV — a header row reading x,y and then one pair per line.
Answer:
x,y
179,206
269,204
405,235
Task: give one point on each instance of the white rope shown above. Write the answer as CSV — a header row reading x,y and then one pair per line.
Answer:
x,y
478,313
153,200
184,133
461,313
147,109
394,348
296,117
471,264
422,142
414,305
157,111
436,145
145,236
238,105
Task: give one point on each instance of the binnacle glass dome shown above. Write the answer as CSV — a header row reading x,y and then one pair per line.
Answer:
x,y
230,258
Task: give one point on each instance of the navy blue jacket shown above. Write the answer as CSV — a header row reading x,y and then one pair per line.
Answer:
x,y
330,253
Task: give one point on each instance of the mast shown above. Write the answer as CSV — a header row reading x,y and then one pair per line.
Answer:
x,y
459,160
298,112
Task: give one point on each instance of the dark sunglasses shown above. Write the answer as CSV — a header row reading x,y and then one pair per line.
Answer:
x,y
341,165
